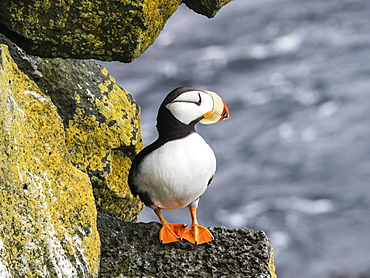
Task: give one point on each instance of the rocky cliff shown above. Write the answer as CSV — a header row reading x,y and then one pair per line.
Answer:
x,y
68,135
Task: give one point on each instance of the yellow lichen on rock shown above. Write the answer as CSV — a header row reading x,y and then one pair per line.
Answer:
x,y
271,263
156,18
46,203
101,123
105,30
103,137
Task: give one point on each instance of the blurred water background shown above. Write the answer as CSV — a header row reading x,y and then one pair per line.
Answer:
x,y
294,158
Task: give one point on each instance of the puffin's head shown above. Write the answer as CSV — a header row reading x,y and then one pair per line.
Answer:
x,y
188,104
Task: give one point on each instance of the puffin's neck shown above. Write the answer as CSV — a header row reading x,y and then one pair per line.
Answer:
x,y
169,128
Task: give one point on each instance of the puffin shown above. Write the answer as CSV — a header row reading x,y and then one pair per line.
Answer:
x,y
176,169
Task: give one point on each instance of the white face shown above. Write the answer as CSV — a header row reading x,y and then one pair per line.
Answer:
x,y
190,106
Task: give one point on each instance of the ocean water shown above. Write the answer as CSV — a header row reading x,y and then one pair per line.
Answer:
x,y
294,158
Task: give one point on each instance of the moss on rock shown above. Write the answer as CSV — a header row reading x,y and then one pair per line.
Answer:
x,y
104,29
104,137
101,123
47,211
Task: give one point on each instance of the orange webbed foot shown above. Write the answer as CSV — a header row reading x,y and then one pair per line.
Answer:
x,y
197,234
171,232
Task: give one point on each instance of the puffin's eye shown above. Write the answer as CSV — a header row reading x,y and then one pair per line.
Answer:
x,y
200,100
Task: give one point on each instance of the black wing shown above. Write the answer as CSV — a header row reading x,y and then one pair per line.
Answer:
x,y
135,188
209,182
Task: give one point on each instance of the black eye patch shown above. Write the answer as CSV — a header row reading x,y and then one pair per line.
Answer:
x,y
198,103
200,100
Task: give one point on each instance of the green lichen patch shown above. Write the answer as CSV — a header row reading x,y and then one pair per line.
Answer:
x,y
47,211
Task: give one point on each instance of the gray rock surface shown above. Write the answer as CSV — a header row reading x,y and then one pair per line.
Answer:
x,y
133,250
208,8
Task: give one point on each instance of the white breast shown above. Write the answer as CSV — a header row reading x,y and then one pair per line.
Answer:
x,y
177,173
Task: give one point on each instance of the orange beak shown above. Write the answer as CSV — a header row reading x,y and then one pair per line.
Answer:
x,y
219,112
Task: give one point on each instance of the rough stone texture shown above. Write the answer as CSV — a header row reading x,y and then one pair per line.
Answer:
x,y
106,29
101,122
208,8
133,250
47,211
85,29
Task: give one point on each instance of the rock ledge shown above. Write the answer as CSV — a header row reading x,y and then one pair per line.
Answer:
x,y
133,250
